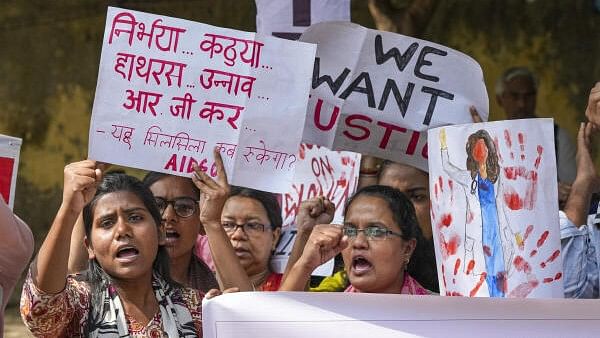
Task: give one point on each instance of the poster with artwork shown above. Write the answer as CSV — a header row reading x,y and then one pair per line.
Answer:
x,y
494,209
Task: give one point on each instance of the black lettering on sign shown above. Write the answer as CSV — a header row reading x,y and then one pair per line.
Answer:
x,y
300,18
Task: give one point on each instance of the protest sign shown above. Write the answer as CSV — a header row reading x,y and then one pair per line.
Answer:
x,y
289,18
171,90
316,315
319,172
494,209
375,92
10,148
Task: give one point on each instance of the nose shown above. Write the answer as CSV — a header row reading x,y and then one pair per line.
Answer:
x,y
239,233
122,229
169,215
360,241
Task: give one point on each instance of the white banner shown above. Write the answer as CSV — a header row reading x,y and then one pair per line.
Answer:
x,y
494,209
326,315
375,92
319,172
289,18
170,90
10,149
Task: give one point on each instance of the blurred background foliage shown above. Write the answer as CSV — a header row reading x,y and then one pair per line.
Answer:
x,y
51,49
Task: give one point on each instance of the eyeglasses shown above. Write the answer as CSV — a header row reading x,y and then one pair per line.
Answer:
x,y
373,232
184,206
251,228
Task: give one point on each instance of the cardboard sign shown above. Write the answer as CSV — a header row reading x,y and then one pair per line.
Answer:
x,y
336,314
320,172
494,209
375,92
10,148
170,90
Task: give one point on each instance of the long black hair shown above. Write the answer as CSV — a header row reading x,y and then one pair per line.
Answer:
x,y
422,265
97,278
491,165
154,176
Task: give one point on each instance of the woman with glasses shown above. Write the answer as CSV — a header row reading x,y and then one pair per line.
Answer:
x,y
379,242
177,200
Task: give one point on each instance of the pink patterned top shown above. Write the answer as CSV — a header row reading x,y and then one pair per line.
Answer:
x,y
410,287
65,314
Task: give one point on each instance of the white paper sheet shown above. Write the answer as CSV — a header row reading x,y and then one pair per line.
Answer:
x,y
503,226
170,90
316,315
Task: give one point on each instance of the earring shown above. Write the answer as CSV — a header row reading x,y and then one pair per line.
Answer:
x,y
406,264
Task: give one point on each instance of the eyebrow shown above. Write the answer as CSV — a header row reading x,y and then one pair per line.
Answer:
x,y
127,211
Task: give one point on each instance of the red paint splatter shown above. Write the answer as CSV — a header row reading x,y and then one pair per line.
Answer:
x,y
528,232
444,275
521,264
558,276
450,247
470,266
478,285
432,212
451,185
435,190
531,191
508,142
512,173
446,220
522,145
302,152
548,280
441,181
551,259
456,266
524,289
540,150
533,253
456,294
543,238
342,182
487,251
513,200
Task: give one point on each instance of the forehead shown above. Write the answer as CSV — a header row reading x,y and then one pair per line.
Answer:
x,y
520,84
117,201
404,177
173,186
244,207
365,210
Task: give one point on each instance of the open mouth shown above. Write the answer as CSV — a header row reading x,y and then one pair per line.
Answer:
x,y
171,235
361,265
127,252
240,252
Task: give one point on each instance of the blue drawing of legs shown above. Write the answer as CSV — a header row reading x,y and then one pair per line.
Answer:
x,y
492,244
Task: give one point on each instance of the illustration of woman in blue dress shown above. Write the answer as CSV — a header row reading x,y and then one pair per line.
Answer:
x,y
481,180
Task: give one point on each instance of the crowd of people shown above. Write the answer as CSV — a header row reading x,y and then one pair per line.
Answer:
x,y
131,258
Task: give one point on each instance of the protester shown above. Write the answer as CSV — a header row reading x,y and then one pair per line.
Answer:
x,y
128,290
580,233
516,92
177,200
15,251
377,241
592,112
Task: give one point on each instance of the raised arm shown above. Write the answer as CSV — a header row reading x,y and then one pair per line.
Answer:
x,y
49,269
324,243
317,210
459,175
213,196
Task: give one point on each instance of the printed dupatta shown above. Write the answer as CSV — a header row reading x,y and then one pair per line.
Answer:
x,y
175,316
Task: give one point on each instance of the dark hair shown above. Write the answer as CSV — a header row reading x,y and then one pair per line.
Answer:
x,y
153,177
422,265
268,201
97,278
492,167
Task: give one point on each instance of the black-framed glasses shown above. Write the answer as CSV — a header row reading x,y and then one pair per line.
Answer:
x,y
250,228
376,233
184,206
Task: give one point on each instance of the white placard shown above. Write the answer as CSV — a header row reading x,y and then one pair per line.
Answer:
x,y
375,92
10,149
494,209
333,174
326,315
289,18
170,90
